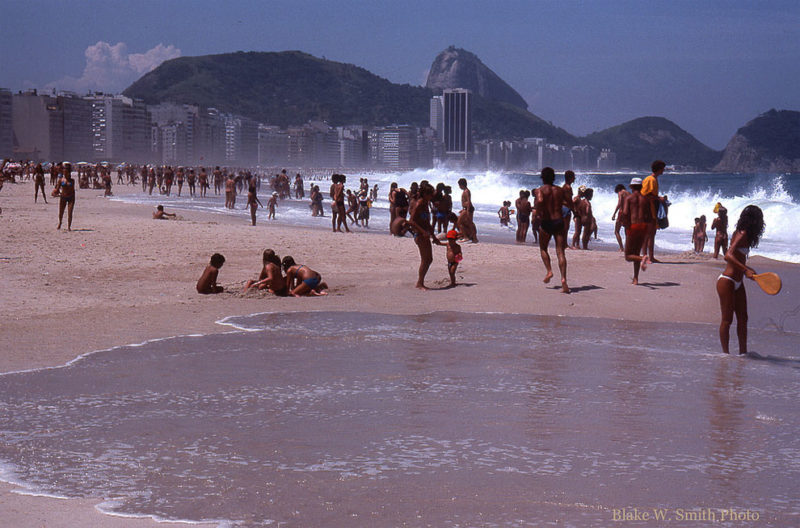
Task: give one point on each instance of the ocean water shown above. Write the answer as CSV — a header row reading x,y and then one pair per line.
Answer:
x,y
443,419
691,195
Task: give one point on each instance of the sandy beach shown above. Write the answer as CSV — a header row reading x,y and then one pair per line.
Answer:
x,y
121,277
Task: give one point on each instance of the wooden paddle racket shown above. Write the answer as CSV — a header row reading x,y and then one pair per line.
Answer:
x,y
769,282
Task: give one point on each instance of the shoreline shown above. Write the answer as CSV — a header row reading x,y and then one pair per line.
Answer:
x,y
121,278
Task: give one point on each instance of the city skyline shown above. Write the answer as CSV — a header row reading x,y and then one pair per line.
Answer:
x,y
708,67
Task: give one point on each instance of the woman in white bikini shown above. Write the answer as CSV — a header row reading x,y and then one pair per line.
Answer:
x,y
730,287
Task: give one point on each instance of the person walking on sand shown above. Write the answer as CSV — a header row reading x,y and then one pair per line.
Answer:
x,y
617,217
730,284
636,215
720,224
549,203
650,191
66,192
38,182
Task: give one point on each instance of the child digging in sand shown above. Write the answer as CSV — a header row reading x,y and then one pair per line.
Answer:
x,y
160,214
454,255
207,283
302,280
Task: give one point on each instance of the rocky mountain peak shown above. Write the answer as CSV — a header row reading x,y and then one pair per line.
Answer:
x,y
459,68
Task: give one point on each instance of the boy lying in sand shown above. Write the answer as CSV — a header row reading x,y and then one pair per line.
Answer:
x,y
160,214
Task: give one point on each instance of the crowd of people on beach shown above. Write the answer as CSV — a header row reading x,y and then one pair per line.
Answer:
x,y
426,213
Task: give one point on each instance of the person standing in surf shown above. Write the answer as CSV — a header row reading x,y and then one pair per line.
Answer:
x,y
650,190
720,224
622,194
549,202
524,208
730,284
467,205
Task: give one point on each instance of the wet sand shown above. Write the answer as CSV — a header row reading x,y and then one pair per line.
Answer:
x,y
122,278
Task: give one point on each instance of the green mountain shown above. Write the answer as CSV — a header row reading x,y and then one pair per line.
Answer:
x,y
292,87
768,143
640,141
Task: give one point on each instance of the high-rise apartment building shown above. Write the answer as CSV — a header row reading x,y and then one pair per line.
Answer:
x,y
241,141
437,115
6,126
457,125
273,146
120,128
52,128
169,115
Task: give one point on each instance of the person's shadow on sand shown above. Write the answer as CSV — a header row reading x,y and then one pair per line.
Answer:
x,y
578,289
657,285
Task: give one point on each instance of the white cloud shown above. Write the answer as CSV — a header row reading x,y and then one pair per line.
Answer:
x,y
112,69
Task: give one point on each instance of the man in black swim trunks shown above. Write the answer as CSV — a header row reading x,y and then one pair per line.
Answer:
x,y
549,201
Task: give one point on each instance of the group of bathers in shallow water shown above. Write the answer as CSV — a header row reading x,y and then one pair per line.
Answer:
x,y
280,277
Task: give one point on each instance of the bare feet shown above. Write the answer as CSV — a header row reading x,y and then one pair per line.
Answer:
x,y
645,262
564,287
635,282
548,277
422,287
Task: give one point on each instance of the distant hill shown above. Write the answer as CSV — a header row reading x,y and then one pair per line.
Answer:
x,y
768,143
458,68
640,141
292,88
286,88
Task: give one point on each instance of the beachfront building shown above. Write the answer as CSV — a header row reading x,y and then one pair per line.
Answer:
x,y
173,143
314,144
606,160
437,115
273,146
120,128
209,138
51,127
353,146
457,126
241,141
6,130
400,147
176,123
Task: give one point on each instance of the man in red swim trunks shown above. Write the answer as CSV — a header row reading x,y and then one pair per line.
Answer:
x,y
636,211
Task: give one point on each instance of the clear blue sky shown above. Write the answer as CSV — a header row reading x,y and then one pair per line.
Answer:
x,y
709,66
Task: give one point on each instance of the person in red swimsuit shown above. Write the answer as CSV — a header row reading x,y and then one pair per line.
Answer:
x,y
636,211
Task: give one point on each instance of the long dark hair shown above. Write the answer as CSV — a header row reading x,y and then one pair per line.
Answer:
x,y
751,221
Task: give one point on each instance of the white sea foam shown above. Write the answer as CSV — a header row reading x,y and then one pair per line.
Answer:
x,y
691,195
